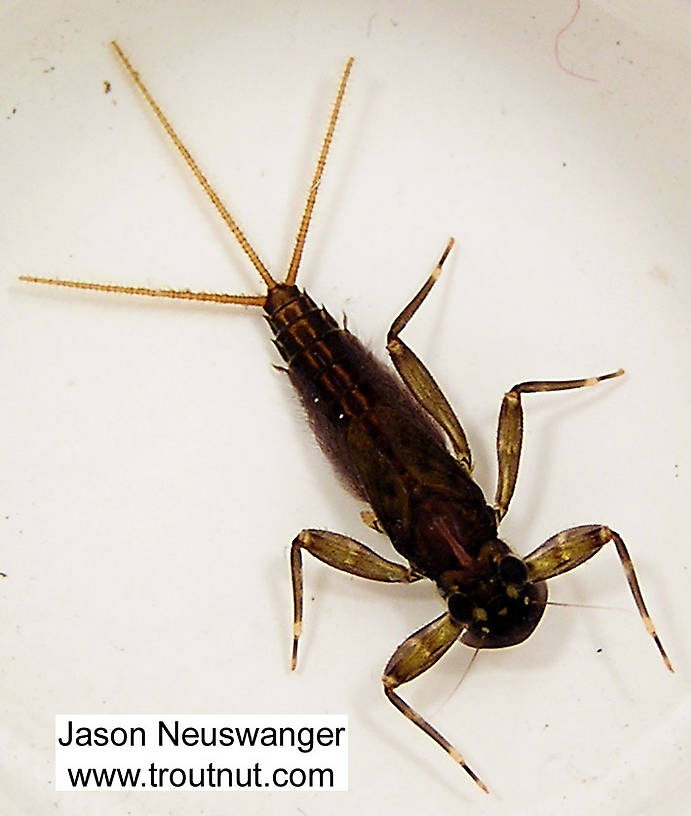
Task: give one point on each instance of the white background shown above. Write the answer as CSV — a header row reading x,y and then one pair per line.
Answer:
x,y
154,467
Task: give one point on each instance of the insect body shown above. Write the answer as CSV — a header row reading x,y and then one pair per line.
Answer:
x,y
400,448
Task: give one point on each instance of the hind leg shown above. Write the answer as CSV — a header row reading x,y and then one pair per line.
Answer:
x,y
416,376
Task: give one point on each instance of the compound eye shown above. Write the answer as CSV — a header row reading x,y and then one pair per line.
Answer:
x,y
460,608
512,570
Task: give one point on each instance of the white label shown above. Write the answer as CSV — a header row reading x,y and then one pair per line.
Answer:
x,y
201,752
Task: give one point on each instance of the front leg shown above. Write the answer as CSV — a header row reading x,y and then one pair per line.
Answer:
x,y
414,656
570,548
345,554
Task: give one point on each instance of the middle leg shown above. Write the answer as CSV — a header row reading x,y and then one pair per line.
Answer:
x,y
510,431
342,553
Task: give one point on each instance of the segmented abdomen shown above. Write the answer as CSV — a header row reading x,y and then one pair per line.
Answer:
x,y
337,378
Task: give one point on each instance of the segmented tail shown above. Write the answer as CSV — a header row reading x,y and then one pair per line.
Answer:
x,y
247,248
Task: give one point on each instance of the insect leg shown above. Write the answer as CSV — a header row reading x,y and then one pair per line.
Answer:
x,y
369,518
414,656
510,432
345,554
570,548
416,376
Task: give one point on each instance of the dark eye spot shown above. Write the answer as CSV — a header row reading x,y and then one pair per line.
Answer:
x,y
512,570
460,608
